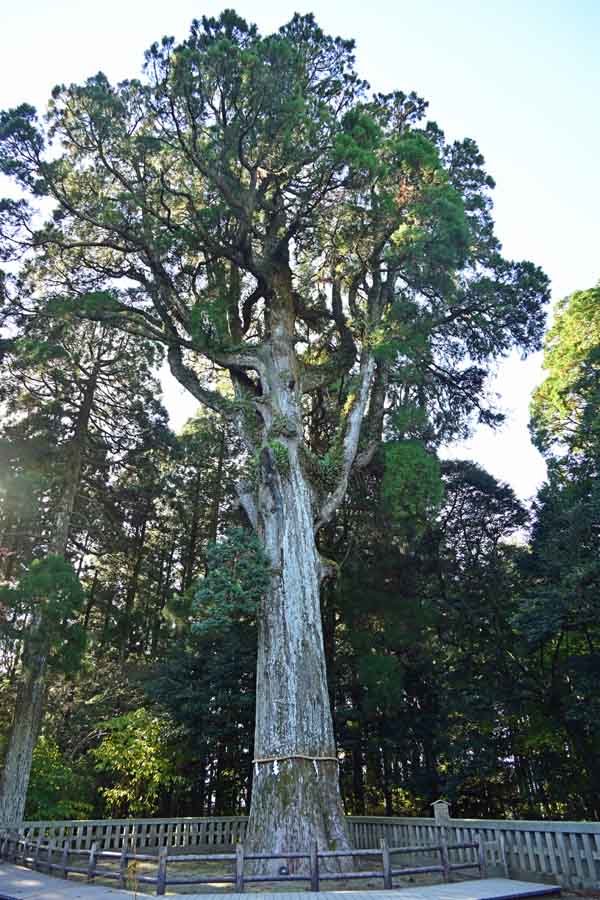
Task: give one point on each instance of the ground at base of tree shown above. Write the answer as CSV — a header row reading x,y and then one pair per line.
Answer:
x,y
218,868
19,882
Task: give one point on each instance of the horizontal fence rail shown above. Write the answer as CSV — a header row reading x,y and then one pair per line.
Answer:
x,y
567,853
46,854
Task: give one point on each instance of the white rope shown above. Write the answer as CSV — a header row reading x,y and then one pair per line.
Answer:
x,y
270,759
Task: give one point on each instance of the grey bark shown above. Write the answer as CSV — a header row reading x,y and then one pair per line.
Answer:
x,y
295,796
24,734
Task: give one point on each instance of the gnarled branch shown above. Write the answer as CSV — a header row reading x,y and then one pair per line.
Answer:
x,y
188,378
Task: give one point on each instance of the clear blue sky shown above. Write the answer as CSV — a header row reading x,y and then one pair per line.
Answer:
x,y
521,78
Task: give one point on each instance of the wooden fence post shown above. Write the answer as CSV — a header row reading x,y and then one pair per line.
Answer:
x,y
51,846
123,865
481,855
65,859
239,868
91,868
386,864
445,855
161,877
503,855
314,866
36,853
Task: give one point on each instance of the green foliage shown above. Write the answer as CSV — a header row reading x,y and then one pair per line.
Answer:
x,y
207,682
281,456
558,613
381,677
282,426
423,650
357,143
93,304
323,470
564,406
300,149
57,790
50,595
238,577
409,419
137,753
411,487
208,322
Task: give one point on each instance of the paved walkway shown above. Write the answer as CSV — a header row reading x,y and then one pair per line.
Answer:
x,y
17,882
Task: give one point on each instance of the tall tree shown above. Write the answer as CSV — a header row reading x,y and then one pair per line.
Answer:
x,y
559,612
73,381
253,207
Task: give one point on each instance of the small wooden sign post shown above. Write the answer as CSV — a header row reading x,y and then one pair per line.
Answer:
x,y
441,812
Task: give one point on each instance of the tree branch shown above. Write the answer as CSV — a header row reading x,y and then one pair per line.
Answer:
x,y
344,357
188,378
375,416
246,497
351,437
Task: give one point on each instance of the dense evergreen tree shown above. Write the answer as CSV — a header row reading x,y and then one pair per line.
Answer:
x,y
73,389
560,613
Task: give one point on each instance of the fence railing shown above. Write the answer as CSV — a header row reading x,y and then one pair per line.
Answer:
x,y
46,854
142,834
567,853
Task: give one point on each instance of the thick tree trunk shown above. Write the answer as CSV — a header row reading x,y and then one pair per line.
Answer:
x,y
295,792
295,795
23,736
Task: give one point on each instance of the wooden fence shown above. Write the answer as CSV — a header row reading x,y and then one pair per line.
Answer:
x,y
141,834
96,862
567,853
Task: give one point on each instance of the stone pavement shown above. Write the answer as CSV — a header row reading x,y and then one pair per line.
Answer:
x,y
17,882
